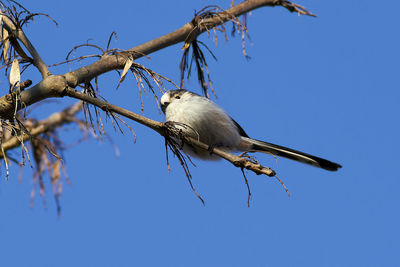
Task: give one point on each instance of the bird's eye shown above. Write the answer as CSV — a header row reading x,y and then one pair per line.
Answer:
x,y
177,97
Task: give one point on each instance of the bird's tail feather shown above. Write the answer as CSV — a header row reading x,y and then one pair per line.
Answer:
x,y
289,153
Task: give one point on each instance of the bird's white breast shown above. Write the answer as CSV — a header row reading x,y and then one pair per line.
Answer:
x,y
205,121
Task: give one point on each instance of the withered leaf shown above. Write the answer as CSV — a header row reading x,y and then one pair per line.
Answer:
x,y
127,66
15,75
6,44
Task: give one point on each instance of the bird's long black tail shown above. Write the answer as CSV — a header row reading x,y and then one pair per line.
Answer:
x,y
289,153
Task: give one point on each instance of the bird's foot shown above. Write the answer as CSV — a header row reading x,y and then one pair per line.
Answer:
x,y
212,146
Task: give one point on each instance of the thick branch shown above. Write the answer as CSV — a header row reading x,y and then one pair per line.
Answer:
x,y
51,86
182,33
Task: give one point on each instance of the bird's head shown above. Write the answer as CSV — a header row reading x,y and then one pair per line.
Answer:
x,y
171,96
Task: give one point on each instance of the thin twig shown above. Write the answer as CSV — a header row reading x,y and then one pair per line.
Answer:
x,y
248,188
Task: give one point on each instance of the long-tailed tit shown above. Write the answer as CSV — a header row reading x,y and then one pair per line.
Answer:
x,y
202,119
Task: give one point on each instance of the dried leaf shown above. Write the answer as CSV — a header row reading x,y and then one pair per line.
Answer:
x,y
6,45
56,171
127,66
15,75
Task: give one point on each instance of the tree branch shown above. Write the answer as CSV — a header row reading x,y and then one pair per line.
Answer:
x,y
111,62
20,35
155,125
237,161
53,86
62,85
67,116
163,130
53,121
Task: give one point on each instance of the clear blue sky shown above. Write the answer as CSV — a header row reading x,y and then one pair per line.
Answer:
x,y
327,85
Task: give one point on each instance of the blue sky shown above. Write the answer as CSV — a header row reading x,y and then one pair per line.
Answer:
x,y
327,86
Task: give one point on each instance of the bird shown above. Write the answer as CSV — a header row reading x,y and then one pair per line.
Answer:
x,y
202,119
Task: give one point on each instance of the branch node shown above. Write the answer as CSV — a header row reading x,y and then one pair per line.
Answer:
x,y
71,79
25,84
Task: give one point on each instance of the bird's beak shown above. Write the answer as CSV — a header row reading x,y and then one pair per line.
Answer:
x,y
164,106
